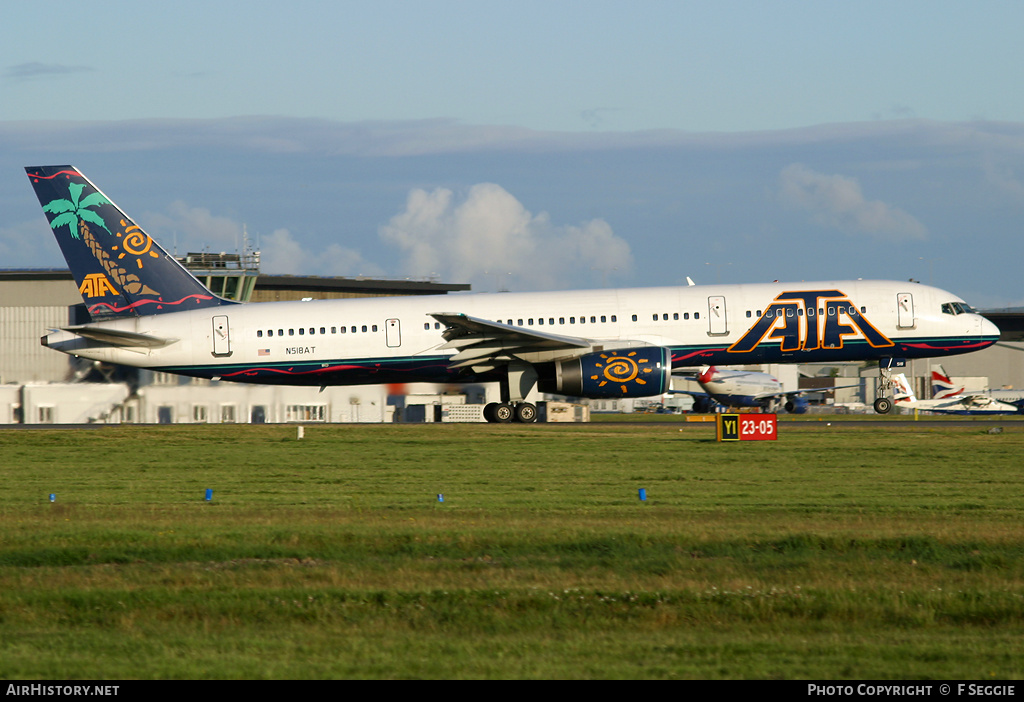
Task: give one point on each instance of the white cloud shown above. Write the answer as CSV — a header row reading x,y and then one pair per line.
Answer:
x,y
491,240
30,243
196,229
182,229
837,201
282,254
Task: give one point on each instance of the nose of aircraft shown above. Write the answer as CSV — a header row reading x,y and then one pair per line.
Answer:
x,y
988,329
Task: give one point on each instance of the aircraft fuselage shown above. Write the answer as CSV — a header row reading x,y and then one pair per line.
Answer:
x,y
395,339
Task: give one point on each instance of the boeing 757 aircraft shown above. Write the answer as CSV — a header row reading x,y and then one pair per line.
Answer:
x,y
148,311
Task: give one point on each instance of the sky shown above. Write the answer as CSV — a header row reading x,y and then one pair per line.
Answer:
x,y
536,145
549,65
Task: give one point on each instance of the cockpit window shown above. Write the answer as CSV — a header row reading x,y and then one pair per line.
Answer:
x,y
955,308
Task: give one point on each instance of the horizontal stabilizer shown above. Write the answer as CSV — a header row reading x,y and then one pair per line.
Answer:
x,y
116,337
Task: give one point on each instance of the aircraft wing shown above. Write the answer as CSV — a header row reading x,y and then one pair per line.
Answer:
x,y
797,393
116,337
979,400
481,342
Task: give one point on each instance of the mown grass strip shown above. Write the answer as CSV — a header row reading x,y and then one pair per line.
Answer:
x,y
828,554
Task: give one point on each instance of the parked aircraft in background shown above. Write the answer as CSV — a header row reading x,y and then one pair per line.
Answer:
x,y
148,311
943,387
740,388
958,403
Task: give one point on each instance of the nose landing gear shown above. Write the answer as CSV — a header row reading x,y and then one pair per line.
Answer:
x,y
886,384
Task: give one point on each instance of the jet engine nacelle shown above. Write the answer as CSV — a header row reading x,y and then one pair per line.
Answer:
x,y
635,372
797,405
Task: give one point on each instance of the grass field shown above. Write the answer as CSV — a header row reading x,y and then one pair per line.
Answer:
x,y
866,550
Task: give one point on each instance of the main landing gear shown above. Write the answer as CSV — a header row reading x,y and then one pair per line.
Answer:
x,y
886,385
504,412
521,379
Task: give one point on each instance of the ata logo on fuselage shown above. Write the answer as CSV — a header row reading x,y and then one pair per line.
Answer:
x,y
96,285
810,320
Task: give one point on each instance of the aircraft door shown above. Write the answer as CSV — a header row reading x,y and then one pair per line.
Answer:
x,y
393,333
221,336
717,325
904,310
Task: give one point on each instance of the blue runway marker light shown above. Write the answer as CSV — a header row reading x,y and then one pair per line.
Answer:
x,y
440,497
643,495
209,494
53,497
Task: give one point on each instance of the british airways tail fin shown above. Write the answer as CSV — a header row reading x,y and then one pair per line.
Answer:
x,y
904,393
118,268
942,386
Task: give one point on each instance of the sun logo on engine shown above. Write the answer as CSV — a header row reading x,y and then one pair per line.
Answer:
x,y
621,369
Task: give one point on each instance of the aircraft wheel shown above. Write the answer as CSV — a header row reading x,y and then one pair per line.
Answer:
x,y
526,413
504,413
489,411
883,405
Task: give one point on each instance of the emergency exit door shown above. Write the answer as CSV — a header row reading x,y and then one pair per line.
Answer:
x,y
393,333
904,310
716,316
221,336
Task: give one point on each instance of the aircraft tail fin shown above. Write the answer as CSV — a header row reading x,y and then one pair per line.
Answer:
x,y
942,386
904,392
706,374
118,268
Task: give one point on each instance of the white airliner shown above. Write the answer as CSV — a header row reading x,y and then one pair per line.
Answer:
x,y
149,312
958,402
740,388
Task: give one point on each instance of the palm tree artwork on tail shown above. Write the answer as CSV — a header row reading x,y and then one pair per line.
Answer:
x,y
77,215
